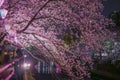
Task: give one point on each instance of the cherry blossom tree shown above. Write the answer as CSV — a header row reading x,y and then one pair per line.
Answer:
x,y
63,29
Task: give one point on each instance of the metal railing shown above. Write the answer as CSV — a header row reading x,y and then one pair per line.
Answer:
x,y
7,66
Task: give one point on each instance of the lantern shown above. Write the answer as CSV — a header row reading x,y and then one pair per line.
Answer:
x,y
5,53
3,13
7,27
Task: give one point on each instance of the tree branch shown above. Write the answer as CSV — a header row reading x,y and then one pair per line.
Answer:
x,y
2,36
42,17
20,31
54,59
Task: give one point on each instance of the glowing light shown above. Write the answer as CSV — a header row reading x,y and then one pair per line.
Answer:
x,y
3,13
15,39
5,53
38,67
7,27
25,55
9,30
26,65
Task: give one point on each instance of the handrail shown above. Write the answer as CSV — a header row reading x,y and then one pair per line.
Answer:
x,y
9,76
3,68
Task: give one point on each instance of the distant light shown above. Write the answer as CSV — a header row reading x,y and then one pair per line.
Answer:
x,y
15,39
26,65
9,30
25,56
115,43
7,27
3,13
5,53
113,51
18,65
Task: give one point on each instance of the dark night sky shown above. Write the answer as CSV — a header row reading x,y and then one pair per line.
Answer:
x,y
110,6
